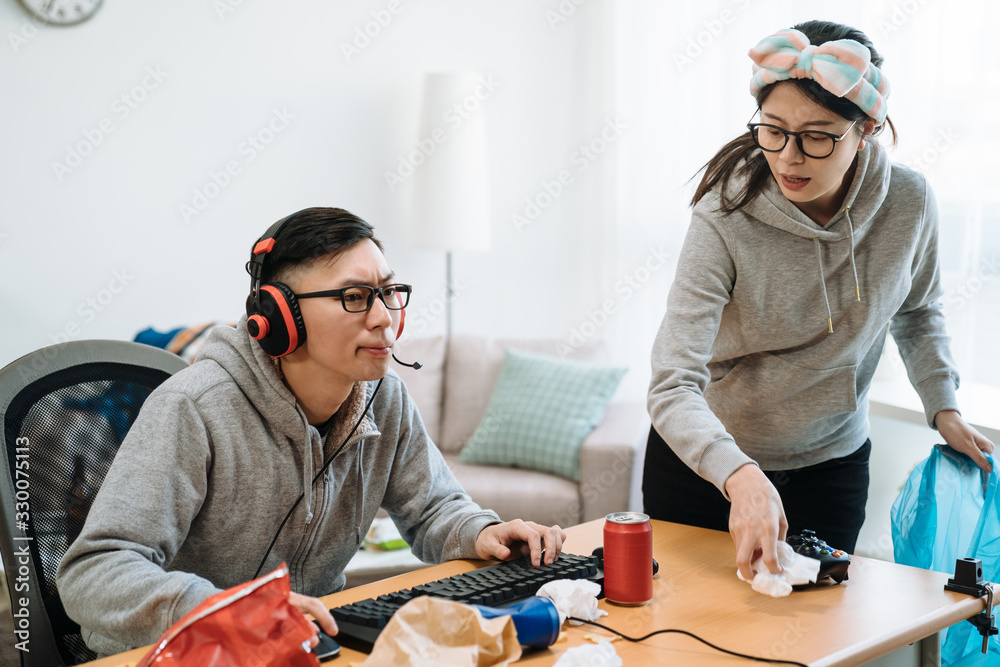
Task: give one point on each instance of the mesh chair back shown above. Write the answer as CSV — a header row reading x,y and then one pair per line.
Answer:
x,y
65,411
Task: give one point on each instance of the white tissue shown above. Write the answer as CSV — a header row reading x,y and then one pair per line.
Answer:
x,y
574,597
796,569
601,654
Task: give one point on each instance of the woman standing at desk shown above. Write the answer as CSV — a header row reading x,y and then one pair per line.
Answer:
x,y
805,246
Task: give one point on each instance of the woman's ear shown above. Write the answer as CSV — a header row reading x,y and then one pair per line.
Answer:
x,y
868,130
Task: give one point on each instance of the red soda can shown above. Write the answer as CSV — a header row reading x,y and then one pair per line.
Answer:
x,y
628,558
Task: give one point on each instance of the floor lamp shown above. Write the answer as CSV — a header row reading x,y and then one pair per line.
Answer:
x,y
450,207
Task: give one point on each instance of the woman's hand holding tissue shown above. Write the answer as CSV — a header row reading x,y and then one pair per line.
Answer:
x,y
796,569
756,519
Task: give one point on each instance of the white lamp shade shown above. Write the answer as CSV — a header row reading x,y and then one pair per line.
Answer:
x,y
450,206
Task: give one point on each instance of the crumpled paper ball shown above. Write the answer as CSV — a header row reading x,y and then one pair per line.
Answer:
x,y
796,569
573,597
601,654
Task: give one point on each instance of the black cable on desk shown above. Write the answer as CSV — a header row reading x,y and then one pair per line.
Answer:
x,y
692,636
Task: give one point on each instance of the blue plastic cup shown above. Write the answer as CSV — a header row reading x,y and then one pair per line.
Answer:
x,y
535,619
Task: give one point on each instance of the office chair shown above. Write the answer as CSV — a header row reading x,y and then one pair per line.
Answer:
x,y
65,410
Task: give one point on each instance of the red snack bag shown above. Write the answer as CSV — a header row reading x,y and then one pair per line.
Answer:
x,y
250,625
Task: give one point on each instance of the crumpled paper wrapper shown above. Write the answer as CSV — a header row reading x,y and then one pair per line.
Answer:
x,y
796,569
428,631
602,654
573,597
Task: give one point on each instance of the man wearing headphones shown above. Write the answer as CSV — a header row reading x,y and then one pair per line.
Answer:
x,y
280,443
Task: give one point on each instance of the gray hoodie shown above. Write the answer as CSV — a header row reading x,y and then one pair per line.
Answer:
x,y
745,368
215,460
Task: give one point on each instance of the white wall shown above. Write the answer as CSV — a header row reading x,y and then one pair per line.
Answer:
x,y
66,235
561,80
897,448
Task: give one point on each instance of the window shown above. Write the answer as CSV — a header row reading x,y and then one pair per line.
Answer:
x,y
686,63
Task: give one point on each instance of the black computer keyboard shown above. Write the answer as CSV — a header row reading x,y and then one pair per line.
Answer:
x,y
497,585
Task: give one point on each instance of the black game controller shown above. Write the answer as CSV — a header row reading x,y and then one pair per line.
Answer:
x,y
833,563
599,552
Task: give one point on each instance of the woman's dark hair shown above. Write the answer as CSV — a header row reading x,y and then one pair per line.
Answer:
x,y
314,234
741,157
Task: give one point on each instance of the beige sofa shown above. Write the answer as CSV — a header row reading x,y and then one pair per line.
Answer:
x,y
452,391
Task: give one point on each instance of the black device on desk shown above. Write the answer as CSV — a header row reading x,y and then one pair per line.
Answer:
x,y
833,563
327,647
500,585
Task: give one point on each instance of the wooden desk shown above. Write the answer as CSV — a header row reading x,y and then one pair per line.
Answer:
x,y
882,607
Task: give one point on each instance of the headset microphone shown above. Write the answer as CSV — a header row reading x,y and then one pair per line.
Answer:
x,y
399,332
416,365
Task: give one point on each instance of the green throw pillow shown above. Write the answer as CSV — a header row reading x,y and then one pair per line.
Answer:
x,y
541,410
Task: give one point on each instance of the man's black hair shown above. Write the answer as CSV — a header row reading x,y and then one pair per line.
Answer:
x,y
314,234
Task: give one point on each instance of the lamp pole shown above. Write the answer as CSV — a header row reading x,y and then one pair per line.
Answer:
x,y
449,294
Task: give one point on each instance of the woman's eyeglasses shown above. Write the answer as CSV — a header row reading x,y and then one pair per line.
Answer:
x,y
811,143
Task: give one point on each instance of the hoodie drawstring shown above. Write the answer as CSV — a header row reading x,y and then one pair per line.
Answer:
x,y
822,277
854,267
359,503
307,476
822,282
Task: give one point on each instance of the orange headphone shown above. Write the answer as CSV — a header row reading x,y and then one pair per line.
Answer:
x,y
273,316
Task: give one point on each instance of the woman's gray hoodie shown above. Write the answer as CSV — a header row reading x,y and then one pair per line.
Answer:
x,y
215,460
745,367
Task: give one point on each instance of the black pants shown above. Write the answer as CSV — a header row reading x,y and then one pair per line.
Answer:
x,y
828,498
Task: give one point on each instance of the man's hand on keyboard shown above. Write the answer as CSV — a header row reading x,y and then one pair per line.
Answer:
x,y
318,611
503,541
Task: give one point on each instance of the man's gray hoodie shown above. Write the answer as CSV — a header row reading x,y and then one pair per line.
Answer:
x,y
744,365
216,458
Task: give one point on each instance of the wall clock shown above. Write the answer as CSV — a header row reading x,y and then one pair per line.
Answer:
x,y
61,12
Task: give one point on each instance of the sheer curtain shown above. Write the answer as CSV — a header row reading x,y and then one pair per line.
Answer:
x,y
681,76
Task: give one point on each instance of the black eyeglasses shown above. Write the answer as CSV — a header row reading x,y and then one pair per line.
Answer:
x,y
359,298
811,143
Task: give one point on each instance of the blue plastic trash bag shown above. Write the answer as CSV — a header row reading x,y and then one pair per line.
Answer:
x,y
949,509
